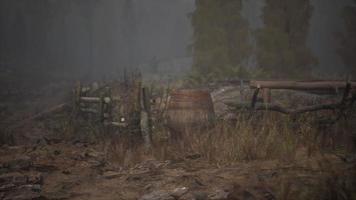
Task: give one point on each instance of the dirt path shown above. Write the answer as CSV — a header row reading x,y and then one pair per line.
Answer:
x,y
80,171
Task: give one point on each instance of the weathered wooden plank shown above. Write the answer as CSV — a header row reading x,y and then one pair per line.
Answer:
x,y
90,99
283,110
300,85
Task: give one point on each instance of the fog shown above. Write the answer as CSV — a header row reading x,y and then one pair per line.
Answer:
x,y
87,39
326,24
93,39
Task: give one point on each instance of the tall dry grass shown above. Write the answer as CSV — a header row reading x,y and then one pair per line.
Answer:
x,y
267,136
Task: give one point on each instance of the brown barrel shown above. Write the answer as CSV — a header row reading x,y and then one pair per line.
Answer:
x,y
188,108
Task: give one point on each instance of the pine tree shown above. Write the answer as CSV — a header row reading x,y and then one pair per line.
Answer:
x,y
220,37
282,44
347,48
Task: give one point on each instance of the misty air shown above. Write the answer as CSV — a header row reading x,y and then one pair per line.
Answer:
x,y
177,99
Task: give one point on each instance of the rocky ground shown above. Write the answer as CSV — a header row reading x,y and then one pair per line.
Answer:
x,y
58,170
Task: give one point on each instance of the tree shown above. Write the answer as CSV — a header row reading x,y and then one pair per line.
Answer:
x,y
220,44
347,47
281,45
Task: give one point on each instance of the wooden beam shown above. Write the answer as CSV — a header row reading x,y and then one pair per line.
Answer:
x,y
300,85
90,99
283,110
254,97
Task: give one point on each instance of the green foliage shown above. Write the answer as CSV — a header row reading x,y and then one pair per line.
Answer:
x,y
282,50
220,38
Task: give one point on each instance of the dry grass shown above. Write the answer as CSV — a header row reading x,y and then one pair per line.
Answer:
x,y
268,136
326,181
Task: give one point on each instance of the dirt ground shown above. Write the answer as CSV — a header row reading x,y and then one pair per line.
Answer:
x,y
57,170
51,169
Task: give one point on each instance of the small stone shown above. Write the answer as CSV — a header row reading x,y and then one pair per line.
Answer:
x,y
66,172
219,195
56,152
111,174
193,156
148,187
93,154
35,178
178,192
157,195
40,142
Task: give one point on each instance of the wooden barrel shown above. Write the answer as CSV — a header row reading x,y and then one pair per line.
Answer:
x,y
189,108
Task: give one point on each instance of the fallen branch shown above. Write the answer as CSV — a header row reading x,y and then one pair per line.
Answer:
x,y
300,85
280,109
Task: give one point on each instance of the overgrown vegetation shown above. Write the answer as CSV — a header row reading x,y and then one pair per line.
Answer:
x,y
296,151
263,137
223,41
282,43
220,44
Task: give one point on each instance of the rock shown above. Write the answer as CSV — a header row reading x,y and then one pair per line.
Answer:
x,y
219,195
80,144
66,172
157,195
111,174
56,152
40,142
178,192
90,153
266,176
148,187
191,180
350,158
193,156
96,163
134,177
35,178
